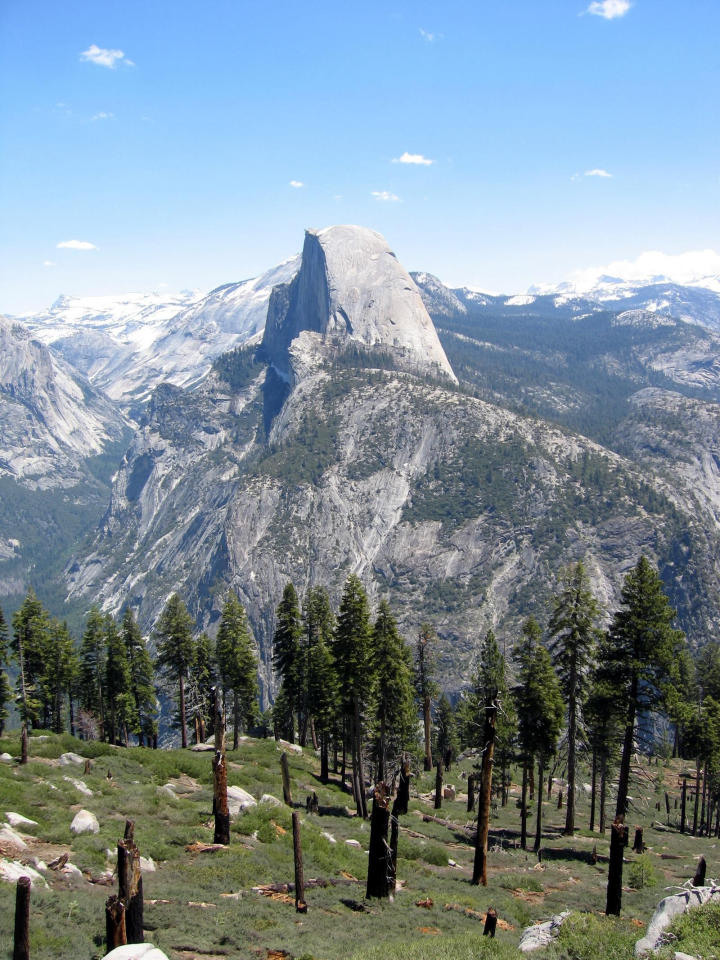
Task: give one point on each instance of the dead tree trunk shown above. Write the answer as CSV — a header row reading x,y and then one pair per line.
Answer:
x,y
379,856
24,743
438,785
115,933
699,878
682,805
287,796
481,843
490,923
219,766
638,845
300,905
538,821
696,809
427,731
471,793
603,793
593,786
523,807
21,944
614,886
403,793
667,807
130,888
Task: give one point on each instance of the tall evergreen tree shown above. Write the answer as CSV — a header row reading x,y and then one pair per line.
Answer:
x,y
5,693
539,708
176,651
574,636
142,684
61,671
447,738
426,688
121,709
93,654
287,652
636,658
490,689
203,682
394,701
31,631
353,658
237,662
321,685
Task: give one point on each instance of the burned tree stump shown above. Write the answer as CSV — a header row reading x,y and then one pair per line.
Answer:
x,y
300,905
312,804
379,856
560,800
221,811
24,744
130,888
21,944
490,923
638,845
403,794
699,878
115,931
683,805
287,796
438,785
614,887
471,793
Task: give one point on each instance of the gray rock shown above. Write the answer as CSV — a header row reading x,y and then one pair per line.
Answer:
x,y
269,799
239,800
67,758
18,820
670,908
11,838
136,951
85,822
10,871
79,785
541,934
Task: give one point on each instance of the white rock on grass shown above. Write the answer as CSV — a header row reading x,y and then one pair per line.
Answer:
x,y
353,843
67,758
328,836
147,865
11,872
136,951
6,758
289,747
239,800
85,822
167,791
270,800
541,934
79,785
203,747
18,820
668,909
10,838
70,870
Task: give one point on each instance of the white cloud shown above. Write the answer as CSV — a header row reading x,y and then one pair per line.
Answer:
x,y
597,172
430,37
609,9
49,263
413,158
76,245
105,58
102,116
385,196
297,184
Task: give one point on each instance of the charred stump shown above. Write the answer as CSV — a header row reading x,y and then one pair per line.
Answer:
x,y
300,904
615,870
638,845
481,843
699,878
439,785
221,811
130,888
287,795
115,932
403,793
21,943
380,855
490,923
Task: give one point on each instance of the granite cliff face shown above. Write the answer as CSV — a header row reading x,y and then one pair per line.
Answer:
x,y
351,291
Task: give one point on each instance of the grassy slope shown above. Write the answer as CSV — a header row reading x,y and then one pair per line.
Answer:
x,y
198,914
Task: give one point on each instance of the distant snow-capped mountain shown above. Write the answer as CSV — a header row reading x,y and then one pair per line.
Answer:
x,y
127,345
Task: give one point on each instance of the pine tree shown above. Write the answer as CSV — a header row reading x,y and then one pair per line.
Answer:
x,y
394,702
539,708
31,631
142,684
425,686
604,728
287,654
490,689
322,687
203,681
176,651
353,659
636,658
573,641
447,738
237,662
61,670
93,652
121,709
5,693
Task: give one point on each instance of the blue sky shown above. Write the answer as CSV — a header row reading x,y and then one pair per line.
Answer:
x,y
167,135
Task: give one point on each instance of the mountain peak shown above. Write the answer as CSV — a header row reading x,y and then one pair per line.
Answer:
x,y
351,288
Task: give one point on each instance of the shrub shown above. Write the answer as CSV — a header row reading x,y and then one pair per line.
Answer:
x,y
642,873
